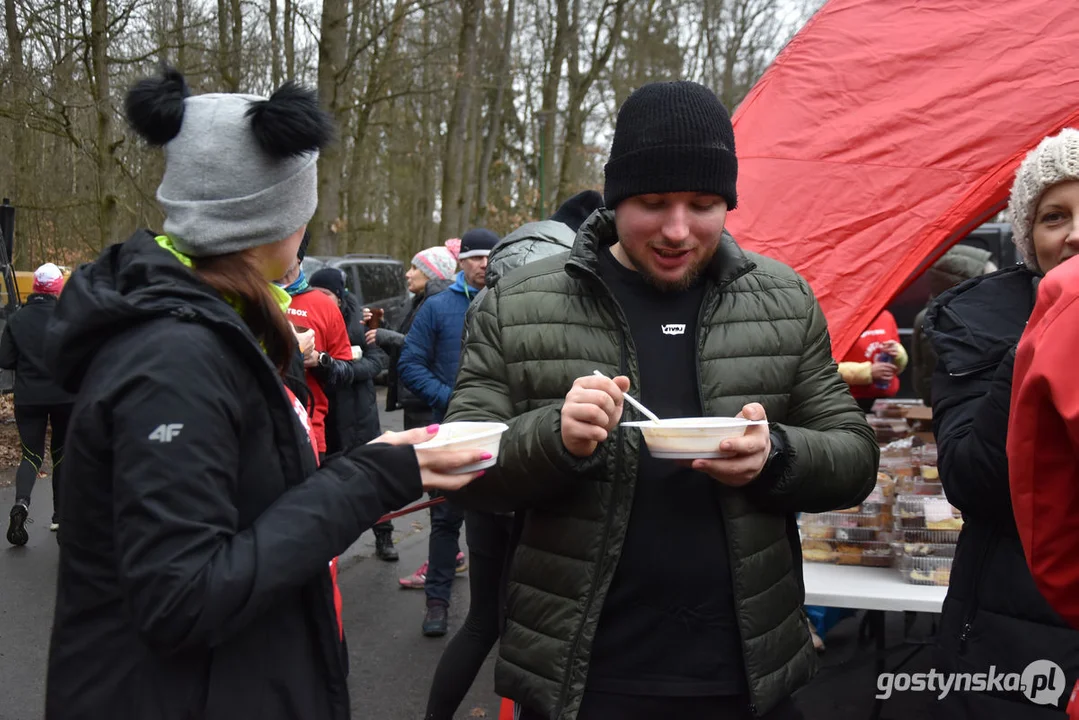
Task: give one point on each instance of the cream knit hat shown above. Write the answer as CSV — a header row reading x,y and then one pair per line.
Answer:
x,y
1055,160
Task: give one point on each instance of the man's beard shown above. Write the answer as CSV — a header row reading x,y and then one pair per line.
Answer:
x,y
688,279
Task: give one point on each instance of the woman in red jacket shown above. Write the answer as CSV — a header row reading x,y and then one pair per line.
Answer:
x,y
1043,434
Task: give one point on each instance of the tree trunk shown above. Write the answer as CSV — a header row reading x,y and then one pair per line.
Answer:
x,y
290,39
547,117
428,145
453,165
229,80
181,36
332,56
472,161
579,86
237,44
19,135
275,46
106,198
494,131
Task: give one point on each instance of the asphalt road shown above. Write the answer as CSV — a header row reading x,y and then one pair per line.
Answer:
x,y
391,662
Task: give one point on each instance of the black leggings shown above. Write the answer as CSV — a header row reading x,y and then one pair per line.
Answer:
x,y
31,420
488,544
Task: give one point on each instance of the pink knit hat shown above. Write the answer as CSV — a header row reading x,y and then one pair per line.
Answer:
x,y
435,262
454,246
48,280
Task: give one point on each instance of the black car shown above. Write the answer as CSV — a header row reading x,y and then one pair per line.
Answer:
x,y
377,280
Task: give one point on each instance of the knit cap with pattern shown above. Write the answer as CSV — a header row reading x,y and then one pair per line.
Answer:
x,y
672,137
1055,160
437,263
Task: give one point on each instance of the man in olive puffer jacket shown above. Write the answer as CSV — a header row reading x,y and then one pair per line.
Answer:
x,y
645,587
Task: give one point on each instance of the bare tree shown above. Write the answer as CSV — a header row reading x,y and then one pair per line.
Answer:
x,y
275,44
581,82
104,147
332,74
454,213
495,115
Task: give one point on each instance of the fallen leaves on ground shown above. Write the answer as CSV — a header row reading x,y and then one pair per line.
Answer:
x,y
478,712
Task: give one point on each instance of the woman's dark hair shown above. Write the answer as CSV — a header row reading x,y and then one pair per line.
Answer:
x,y
236,278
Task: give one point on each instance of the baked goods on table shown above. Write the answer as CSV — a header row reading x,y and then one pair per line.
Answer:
x,y
925,570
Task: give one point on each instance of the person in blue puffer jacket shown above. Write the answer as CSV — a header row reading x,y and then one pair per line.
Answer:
x,y
428,368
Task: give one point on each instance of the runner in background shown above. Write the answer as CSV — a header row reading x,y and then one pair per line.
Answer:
x,y
428,368
353,405
313,310
40,402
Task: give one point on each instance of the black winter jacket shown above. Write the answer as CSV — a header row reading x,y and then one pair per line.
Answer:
x,y
993,614
22,349
393,341
193,579
353,416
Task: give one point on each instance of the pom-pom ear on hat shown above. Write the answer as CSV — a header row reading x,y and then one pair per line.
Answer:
x,y
291,122
155,106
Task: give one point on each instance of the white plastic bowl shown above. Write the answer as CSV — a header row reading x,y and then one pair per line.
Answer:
x,y
691,438
468,436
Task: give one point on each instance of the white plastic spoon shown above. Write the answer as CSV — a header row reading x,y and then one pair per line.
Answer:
x,y
633,401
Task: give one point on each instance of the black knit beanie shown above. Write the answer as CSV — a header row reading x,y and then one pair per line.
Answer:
x,y
332,279
672,137
576,210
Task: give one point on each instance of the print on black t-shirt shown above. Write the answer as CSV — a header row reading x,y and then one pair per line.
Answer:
x,y
668,624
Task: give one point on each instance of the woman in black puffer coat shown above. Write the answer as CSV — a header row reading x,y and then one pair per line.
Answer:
x,y
994,616
196,576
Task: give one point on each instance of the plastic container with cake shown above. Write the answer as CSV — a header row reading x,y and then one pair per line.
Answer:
x,y
925,570
925,512
926,537
925,549
920,485
866,554
818,550
859,526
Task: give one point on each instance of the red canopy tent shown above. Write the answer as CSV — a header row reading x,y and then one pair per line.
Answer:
x,y
887,129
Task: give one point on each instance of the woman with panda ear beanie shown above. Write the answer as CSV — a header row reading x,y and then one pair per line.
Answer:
x,y
195,577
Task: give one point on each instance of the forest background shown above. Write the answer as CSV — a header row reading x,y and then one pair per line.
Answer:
x,y
450,113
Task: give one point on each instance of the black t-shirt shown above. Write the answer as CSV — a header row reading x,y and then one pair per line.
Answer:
x,y
668,624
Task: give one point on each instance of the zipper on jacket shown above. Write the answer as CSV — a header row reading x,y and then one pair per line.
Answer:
x,y
609,520
619,463
972,611
722,506
976,369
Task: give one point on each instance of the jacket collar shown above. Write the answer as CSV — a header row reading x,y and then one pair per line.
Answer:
x,y
727,265
973,325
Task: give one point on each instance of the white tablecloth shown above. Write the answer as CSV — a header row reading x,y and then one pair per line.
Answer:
x,y
868,588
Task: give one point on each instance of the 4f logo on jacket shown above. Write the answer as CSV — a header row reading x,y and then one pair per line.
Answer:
x,y
165,433
674,329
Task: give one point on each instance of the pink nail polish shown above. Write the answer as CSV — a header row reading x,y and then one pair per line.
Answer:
x,y
481,473
432,429
486,456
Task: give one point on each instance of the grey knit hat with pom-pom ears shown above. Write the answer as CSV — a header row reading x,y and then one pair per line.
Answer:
x,y
240,170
